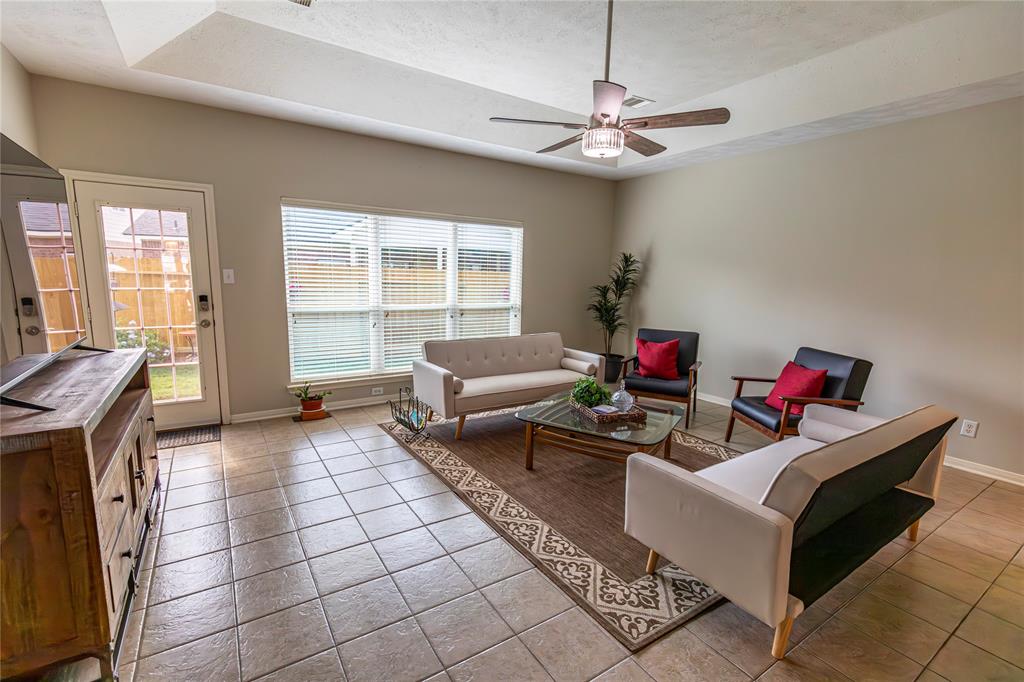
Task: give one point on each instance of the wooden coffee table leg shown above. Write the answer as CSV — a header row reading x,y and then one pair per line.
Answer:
x,y
668,447
529,446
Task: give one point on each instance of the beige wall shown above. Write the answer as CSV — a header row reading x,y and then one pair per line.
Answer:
x,y
253,161
16,117
902,244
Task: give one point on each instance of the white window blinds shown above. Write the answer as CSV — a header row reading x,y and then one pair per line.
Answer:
x,y
365,290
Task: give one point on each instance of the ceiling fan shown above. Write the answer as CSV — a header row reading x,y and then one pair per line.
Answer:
x,y
606,133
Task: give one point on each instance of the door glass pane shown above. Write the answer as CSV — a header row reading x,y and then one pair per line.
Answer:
x,y
152,296
52,249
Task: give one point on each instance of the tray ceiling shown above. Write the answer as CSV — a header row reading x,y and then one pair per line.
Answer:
x,y
433,72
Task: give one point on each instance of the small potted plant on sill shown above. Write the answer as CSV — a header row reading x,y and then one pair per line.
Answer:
x,y
312,402
606,306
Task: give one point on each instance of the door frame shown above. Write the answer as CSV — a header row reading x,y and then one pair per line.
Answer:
x,y
213,253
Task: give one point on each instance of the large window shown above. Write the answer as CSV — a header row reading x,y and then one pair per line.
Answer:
x,y
365,290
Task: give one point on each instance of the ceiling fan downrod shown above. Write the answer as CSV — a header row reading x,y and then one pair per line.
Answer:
x,y
608,43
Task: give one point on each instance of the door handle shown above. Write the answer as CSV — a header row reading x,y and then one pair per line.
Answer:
x,y
204,323
32,330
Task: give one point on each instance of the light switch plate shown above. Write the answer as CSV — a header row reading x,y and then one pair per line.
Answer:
x,y
229,276
969,428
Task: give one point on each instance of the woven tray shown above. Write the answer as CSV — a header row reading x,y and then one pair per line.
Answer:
x,y
635,414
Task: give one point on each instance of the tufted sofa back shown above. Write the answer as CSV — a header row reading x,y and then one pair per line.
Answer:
x,y
471,358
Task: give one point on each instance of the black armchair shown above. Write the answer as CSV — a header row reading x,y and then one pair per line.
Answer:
x,y
681,390
844,386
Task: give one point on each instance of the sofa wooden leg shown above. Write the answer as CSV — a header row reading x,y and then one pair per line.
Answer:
x,y
458,427
687,423
912,531
652,561
430,413
728,428
781,638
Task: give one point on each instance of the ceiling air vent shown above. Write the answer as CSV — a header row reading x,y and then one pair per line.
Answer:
x,y
304,3
633,102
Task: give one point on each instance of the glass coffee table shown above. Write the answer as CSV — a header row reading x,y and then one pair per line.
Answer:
x,y
553,421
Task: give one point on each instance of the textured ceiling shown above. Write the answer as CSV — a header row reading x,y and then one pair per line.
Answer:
x,y
548,52
433,72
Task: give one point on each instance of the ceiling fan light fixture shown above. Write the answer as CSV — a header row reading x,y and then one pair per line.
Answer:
x,y
603,143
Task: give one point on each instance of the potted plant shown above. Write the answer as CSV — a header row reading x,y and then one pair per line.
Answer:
x,y
606,306
588,393
312,402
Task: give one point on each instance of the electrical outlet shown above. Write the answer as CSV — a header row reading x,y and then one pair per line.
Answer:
x,y
377,390
969,428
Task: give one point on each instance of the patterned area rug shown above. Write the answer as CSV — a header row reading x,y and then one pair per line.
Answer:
x,y
191,436
635,609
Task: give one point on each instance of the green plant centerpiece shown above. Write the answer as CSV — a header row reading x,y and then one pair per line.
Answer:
x,y
589,393
606,307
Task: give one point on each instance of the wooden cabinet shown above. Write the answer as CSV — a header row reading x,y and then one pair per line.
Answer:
x,y
78,490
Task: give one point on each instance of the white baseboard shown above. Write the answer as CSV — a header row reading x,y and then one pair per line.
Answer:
x,y
717,400
335,405
985,470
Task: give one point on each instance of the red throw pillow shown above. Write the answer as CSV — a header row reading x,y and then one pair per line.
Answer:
x,y
797,381
658,360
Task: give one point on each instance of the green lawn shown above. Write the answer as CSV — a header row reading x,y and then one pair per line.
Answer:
x,y
161,382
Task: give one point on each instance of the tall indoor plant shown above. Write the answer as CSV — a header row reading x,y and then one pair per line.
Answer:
x,y
606,306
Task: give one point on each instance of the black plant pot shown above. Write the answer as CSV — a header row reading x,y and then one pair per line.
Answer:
x,y
612,367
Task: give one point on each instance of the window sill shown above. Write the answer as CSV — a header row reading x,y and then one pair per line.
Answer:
x,y
354,382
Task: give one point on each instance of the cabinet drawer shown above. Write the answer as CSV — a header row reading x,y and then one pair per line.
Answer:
x,y
113,498
119,564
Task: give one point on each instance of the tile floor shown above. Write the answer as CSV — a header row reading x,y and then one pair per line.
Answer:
x,y
324,552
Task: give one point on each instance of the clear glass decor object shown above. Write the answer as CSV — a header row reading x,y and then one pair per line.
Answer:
x,y
622,399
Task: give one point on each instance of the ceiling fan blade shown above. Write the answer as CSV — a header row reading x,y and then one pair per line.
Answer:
x,y
608,102
559,145
642,145
705,117
570,126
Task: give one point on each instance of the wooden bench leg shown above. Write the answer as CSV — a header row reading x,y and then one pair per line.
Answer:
x,y
652,561
912,531
728,428
458,427
781,638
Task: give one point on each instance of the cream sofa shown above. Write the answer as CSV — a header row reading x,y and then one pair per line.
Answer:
x,y
456,378
775,529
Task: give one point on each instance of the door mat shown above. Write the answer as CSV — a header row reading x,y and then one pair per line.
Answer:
x,y
194,435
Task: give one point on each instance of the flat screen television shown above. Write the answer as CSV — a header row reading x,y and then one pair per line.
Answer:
x,y
43,311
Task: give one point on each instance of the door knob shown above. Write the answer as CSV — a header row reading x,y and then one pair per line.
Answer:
x,y
204,323
34,330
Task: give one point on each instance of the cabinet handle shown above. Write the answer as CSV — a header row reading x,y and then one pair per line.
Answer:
x,y
117,498
127,554
140,474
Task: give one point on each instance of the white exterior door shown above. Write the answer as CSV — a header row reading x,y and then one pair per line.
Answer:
x,y
147,265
